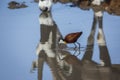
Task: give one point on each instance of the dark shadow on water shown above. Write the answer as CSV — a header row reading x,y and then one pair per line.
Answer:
x,y
64,65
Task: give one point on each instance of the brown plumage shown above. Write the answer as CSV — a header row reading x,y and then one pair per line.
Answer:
x,y
72,37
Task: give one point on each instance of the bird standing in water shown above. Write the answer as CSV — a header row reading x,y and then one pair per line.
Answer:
x,y
72,38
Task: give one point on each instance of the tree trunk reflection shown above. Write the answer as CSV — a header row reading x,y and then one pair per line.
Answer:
x,y
64,65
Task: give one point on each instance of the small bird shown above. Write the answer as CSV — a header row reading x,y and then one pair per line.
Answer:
x,y
71,38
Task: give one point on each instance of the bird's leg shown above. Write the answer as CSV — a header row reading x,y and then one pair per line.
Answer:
x,y
77,48
78,44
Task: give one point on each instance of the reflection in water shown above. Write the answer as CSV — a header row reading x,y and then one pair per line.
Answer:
x,y
48,51
91,69
110,6
65,66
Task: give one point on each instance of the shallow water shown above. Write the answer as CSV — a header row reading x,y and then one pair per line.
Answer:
x,y
20,33
95,59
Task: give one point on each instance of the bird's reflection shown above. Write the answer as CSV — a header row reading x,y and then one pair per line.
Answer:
x,y
65,66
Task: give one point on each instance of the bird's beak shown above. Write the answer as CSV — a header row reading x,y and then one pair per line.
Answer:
x,y
62,42
65,42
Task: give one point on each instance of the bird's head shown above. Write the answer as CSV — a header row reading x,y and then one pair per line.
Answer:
x,y
62,41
